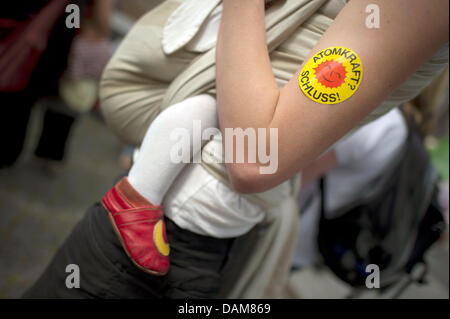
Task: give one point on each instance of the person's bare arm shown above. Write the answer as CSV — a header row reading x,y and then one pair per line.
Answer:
x,y
248,97
103,10
99,25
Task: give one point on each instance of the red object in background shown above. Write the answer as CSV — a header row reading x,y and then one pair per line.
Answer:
x,y
22,44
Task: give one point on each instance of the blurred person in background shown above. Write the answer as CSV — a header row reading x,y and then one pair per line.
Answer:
x,y
78,87
35,46
367,228
352,167
90,51
355,165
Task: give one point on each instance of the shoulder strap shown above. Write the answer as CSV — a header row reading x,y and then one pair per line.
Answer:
x,y
322,197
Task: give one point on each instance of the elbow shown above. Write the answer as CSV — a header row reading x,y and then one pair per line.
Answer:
x,y
247,179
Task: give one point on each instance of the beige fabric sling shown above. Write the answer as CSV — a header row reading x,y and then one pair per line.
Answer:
x,y
140,81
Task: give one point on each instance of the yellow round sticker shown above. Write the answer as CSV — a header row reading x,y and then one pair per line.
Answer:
x,y
331,76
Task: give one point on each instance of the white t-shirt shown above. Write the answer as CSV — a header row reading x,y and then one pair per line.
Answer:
x,y
199,202
362,157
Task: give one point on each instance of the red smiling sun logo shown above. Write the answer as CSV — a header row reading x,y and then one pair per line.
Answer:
x,y
330,74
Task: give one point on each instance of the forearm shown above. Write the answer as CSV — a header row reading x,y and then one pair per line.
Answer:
x,y
103,10
246,89
50,14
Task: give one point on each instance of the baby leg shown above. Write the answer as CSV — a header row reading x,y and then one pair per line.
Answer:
x,y
154,170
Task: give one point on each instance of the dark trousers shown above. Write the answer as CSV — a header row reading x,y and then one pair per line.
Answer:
x,y
16,110
197,264
55,133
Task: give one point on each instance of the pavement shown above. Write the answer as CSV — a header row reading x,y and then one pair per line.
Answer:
x,y
40,205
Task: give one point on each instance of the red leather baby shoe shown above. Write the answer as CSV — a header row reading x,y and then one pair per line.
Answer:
x,y
140,227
